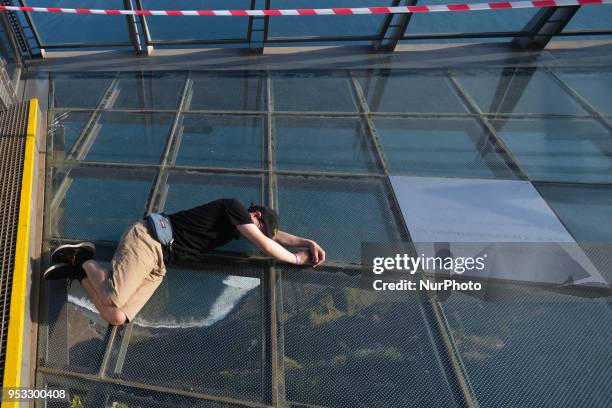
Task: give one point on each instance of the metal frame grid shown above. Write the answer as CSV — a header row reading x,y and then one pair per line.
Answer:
x,y
271,281
536,34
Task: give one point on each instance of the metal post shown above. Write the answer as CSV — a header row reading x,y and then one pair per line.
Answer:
x,y
132,26
145,29
390,33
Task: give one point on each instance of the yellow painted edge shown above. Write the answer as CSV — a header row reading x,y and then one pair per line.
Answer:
x,y
16,326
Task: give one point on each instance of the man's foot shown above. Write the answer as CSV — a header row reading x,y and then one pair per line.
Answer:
x,y
63,271
74,254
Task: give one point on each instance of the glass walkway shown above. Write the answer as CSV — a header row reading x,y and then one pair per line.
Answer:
x,y
238,329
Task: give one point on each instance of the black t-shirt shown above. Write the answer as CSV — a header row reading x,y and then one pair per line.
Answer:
x,y
208,226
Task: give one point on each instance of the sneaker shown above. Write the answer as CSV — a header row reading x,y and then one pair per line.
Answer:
x,y
74,254
63,271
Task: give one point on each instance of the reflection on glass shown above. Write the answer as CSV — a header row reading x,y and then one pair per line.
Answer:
x,y
585,210
323,144
113,137
532,348
63,130
336,212
560,149
350,347
67,89
440,147
201,331
593,85
444,209
150,90
308,91
99,204
409,91
221,141
239,91
517,90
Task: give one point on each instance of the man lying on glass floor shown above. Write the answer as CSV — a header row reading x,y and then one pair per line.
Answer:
x,y
146,247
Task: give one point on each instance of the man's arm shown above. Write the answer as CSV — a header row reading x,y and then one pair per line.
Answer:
x,y
270,247
286,239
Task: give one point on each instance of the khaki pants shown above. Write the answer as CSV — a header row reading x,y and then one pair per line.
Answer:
x,y
137,270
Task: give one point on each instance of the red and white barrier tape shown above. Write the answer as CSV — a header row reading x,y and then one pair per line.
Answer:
x,y
328,11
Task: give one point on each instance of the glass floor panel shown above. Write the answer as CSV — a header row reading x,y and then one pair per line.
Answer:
x,y
323,209
325,92
188,190
208,331
117,137
67,89
97,204
240,91
440,147
593,85
349,347
532,348
75,335
585,210
569,150
149,91
201,331
409,91
476,210
221,141
323,144
87,393
517,90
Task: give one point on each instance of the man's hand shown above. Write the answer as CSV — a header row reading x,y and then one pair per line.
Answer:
x,y
303,257
318,254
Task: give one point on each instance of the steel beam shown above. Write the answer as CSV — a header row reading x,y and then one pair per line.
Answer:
x,y
132,26
158,194
393,27
257,31
153,388
15,33
546,23
32,28
145,29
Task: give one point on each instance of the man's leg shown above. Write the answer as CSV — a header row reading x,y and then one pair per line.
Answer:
x,y
109,312
137,262
97,277
97,284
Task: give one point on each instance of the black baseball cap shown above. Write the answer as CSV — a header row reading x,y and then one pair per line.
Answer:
x,y
269,217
